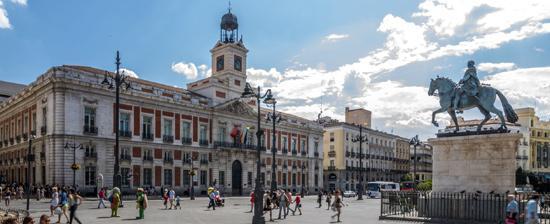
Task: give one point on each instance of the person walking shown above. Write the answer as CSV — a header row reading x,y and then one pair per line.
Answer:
x,y
337,205
320,199
512,210
7,197
282,204
531,210
178,205
172,197
74,201
251,201
329,199
54,202
115,201
212,200
141,203
288,200
101,198
44,219
165,198
268,205
297,204
63,205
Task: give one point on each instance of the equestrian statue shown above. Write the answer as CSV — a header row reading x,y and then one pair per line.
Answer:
x,y
469,93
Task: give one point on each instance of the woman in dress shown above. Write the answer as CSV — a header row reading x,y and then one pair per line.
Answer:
x,y
54,202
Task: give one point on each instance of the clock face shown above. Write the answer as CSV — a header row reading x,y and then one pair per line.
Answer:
x,y
219,63
238,63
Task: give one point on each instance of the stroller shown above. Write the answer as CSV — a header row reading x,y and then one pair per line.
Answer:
x,y
220,202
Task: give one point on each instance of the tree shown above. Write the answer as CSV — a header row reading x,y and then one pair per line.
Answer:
x,y
425,185
407,177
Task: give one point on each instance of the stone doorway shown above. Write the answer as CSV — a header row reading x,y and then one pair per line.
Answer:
x,y
236,178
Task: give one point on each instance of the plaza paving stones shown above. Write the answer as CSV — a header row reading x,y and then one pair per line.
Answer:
x,y
235,212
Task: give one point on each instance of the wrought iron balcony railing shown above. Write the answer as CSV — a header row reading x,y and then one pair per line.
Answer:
x,y
147,136
167,138
125,157
90,130
186,140
125,133
332,154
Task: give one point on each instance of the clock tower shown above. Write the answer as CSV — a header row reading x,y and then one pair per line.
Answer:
x,y
228,64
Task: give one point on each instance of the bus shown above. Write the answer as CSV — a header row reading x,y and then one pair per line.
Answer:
x,y
407,186
374,188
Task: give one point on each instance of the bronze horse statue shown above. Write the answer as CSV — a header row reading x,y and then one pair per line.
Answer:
x,y
484,101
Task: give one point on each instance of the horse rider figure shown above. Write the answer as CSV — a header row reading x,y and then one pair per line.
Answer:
x,y
469,84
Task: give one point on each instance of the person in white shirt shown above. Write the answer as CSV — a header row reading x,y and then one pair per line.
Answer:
x,y
171,197
531,210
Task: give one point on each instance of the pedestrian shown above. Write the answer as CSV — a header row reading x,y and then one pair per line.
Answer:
x,y
251,201
10,221
42,191
297,204
282,204
288,200
74,201
212,200
101,198
512,210
178,205
320,198
63,205
7,197
337,205
531,209
172,197
165,198
328,200
268,205
141,203
44,219
115,201
28,220
54,201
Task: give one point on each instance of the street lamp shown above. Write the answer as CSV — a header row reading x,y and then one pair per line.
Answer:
x,y
360,138
74,166
30,159
191,174
258,217
415,142
116,82
274,118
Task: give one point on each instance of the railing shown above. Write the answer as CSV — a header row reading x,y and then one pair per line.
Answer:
x,y
284,151
234,145
316,167
12,141
42,156
203,161
125,133
167,139
147,136
352,154
294,152
25,136
125,157
332,154
443,207
43,130
169,160
316,154
91,130
347,154
18,138
148,158
186,140
294,167
203,142
90,155
304,153
331,168
285,166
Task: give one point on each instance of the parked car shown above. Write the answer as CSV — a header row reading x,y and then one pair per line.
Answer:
x,y
349,194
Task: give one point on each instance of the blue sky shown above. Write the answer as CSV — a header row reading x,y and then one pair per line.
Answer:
x,y
372,54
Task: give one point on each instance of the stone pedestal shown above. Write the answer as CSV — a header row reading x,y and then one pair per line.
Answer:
x,y
475,163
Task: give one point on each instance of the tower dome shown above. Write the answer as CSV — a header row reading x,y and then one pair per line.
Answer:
x,y
229,22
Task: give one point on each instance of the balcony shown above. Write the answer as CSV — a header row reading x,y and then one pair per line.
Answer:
x,y
262,164
294,152
352,154
125,157
90,155
43,130
285,166
124,133
316,167
12,141
285,151
25,136
90,130
203,142
294,167
316,154
204,162
521,157
147,159
186,161
147,136
331,168
234,145
347,154
43,156
304,153
5,142
168,139
18,138
332,154
186,140
168,160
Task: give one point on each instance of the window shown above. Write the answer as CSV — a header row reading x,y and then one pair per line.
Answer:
x,y
316,146
167,127
147,127
186,129
202,133
25,124
44,117
331,162
147,176
204,157
168,155
238,63
126,175
124,123
222,178
284,179
186,156
186,177
222,132
303,145
34,122
147,153
316,180
293,179
293,144
284,141
90,175
219,63
203,178
249,179
168,177
89,117
332,136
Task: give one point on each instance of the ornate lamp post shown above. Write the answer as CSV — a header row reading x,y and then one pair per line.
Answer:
x,y
415,142
360,138
258,217
30,159
116,82
74,146
274,118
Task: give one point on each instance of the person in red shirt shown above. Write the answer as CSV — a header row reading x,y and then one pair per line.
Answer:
x,y
251,201
101,197
297,204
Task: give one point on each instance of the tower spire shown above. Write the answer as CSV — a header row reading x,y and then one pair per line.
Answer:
x,y
229,7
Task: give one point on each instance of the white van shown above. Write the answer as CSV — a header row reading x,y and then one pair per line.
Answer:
x,y
374,188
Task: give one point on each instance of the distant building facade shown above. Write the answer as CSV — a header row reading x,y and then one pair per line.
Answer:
x,y
8,89
385,157
423,161
358,116
535,145
165,132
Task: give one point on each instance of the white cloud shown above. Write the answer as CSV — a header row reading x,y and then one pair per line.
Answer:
x,y
493,67
128,72
189,70
204,71
4,20
537,49
20,2
333,37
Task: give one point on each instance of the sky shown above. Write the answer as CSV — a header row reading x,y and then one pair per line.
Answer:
x,y
327,54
